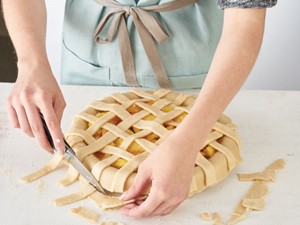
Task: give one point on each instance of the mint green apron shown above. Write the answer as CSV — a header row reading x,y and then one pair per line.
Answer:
x,y
177,42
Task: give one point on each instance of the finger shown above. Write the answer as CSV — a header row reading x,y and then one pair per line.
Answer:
x,y
170,209
139,202
133,204
59,106
53,125
23,120
37,127
12,115
129,206
140,183
164,206
143,210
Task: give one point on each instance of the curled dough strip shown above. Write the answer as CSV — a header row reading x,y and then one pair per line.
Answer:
x,y
82,193
47,168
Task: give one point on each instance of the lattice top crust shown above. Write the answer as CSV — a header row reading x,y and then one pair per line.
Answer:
x,y
114,135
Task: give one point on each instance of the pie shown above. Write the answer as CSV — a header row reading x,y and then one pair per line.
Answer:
x,y
114,135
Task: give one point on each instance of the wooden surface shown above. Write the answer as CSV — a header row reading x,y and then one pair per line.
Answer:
x,y
269,127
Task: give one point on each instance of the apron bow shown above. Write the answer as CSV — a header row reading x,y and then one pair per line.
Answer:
x,y
149,29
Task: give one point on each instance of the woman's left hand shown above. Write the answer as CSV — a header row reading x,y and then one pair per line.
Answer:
x,y
168,172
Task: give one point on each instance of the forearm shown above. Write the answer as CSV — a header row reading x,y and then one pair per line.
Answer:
x,y
235,56
26,23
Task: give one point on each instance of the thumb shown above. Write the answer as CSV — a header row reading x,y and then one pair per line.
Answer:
x,y
140,183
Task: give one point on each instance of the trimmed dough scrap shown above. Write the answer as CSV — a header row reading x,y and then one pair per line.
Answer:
x,y
206,216
268,175
255,195
108,202
82,193
110,223
47,168
254,203
86,213
217,219
254,198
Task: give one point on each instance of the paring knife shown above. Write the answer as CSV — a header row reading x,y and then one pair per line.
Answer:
x,y
73,160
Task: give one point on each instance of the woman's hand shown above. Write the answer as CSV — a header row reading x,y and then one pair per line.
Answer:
x,y
36,90
168,172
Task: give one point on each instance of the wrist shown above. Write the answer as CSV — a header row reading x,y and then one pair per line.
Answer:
x,y
184,141
194,130
32,63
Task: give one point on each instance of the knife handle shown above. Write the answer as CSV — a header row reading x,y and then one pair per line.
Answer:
x,y
47,132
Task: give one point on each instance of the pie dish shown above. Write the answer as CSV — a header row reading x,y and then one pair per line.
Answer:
x,y
114,135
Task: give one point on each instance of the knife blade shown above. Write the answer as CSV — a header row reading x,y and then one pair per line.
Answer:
x,y
73,160
80,167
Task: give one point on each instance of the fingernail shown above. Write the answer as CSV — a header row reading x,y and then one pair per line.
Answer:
x,y
123,196
60,149
50,150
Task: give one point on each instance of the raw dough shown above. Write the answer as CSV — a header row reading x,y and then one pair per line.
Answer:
x,y
47,168
254,198
206,216
218,220
82,193
85,213
268,175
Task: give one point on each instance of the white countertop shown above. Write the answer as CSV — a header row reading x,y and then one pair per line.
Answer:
x,y
269,127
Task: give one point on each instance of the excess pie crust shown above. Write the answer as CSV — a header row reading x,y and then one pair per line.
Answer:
x,y
85,213
114,135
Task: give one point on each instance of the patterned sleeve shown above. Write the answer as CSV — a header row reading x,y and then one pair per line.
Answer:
x,y
246,3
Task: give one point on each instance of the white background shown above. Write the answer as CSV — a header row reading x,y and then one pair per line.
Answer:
x,y
277,67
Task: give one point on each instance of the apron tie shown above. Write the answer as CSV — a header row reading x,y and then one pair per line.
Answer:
x,y
149,29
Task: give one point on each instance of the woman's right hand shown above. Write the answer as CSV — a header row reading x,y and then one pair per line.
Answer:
x,y
36,90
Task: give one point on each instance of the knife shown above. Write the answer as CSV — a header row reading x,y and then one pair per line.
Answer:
x,y
73,160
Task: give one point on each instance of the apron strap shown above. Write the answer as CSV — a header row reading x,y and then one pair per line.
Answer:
x,y
149,29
